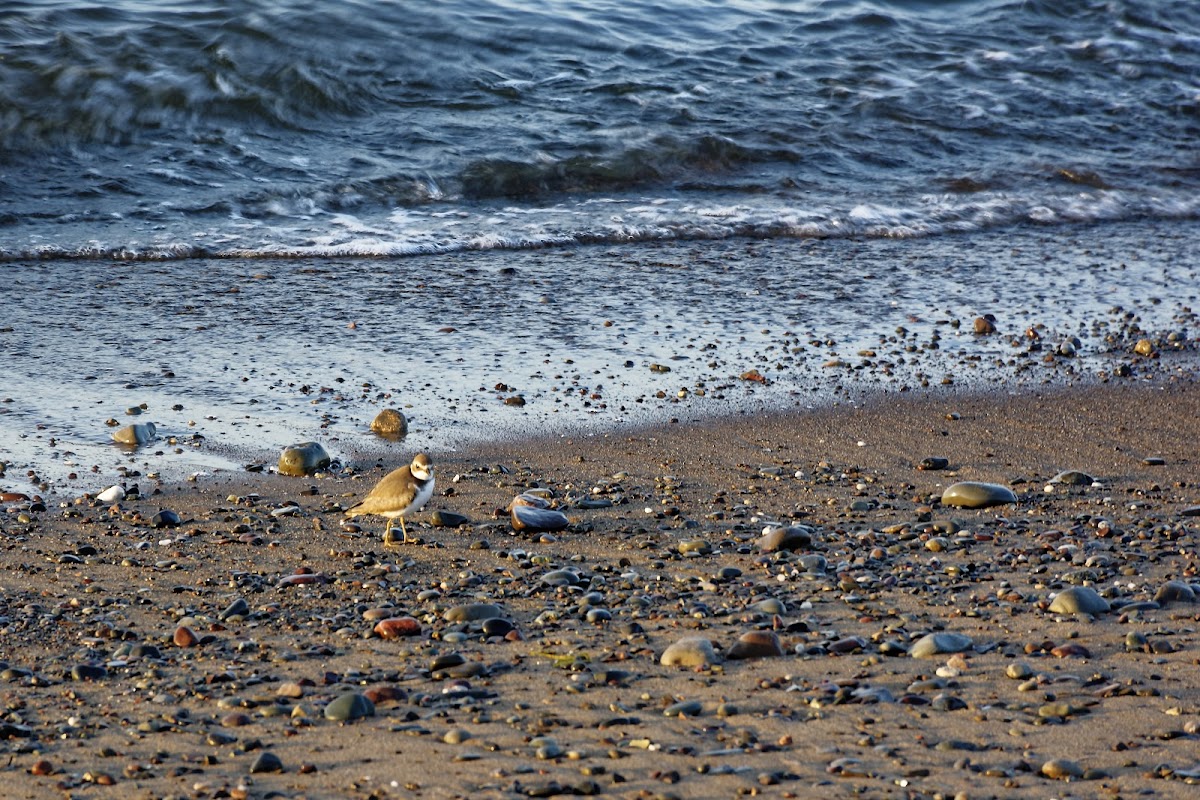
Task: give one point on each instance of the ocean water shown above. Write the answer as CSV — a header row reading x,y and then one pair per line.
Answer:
x,y
281,216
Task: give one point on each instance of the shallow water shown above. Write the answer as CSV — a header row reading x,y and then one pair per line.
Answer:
x,y
262,354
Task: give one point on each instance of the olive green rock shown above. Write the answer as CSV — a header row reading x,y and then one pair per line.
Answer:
x,y
351,705
136,434
390,424
302,459
974,494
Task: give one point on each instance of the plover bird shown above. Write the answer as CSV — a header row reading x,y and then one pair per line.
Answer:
x,y
401,490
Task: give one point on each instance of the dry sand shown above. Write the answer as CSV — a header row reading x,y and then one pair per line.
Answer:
x,y
569,704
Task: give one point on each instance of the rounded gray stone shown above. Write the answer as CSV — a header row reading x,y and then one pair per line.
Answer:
x,y
1079,600
932,644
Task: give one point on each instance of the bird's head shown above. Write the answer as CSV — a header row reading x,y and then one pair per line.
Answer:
x,y
421,467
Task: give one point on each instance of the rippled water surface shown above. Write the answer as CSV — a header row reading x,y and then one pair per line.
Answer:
x,y
148,130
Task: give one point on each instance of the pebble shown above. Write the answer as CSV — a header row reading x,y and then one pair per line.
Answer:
x,y
302,459
349,706
265,763
135,435
974,494
785,537
113,494
1018,670
166,519
692,651
755,644
238,608
473,612
1079,600
684,708
447,519
390,424
396,627
932,644
933,463
1073,477
88,672
185,637
1061,769
537,520
1175,592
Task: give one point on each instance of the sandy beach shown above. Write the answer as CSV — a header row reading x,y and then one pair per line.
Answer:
x,y
189,661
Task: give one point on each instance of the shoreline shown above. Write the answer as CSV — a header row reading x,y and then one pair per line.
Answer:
x,y
577,700
255,357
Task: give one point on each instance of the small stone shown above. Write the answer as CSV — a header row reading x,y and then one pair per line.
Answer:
x,y
538,520
684,708
473,612
1144,347
396,627
447,519
351,705
303,459
695,547
974,494
941,642
1079,600
166,519
88,672
756,644
933,463
185,637
497,626
238,608
265,763
1018,670
692,651
135,435
113,494
390,424
785,537
1073,477
985,325
1061,769
1175,592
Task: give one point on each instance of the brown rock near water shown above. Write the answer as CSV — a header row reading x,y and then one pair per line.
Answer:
x,y
390,424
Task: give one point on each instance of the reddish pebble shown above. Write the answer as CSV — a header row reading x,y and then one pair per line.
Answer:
x,y
1071,651
185,637
42,767
395,627
385,694
756,644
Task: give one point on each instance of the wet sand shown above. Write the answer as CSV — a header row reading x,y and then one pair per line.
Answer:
x,y
131,663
